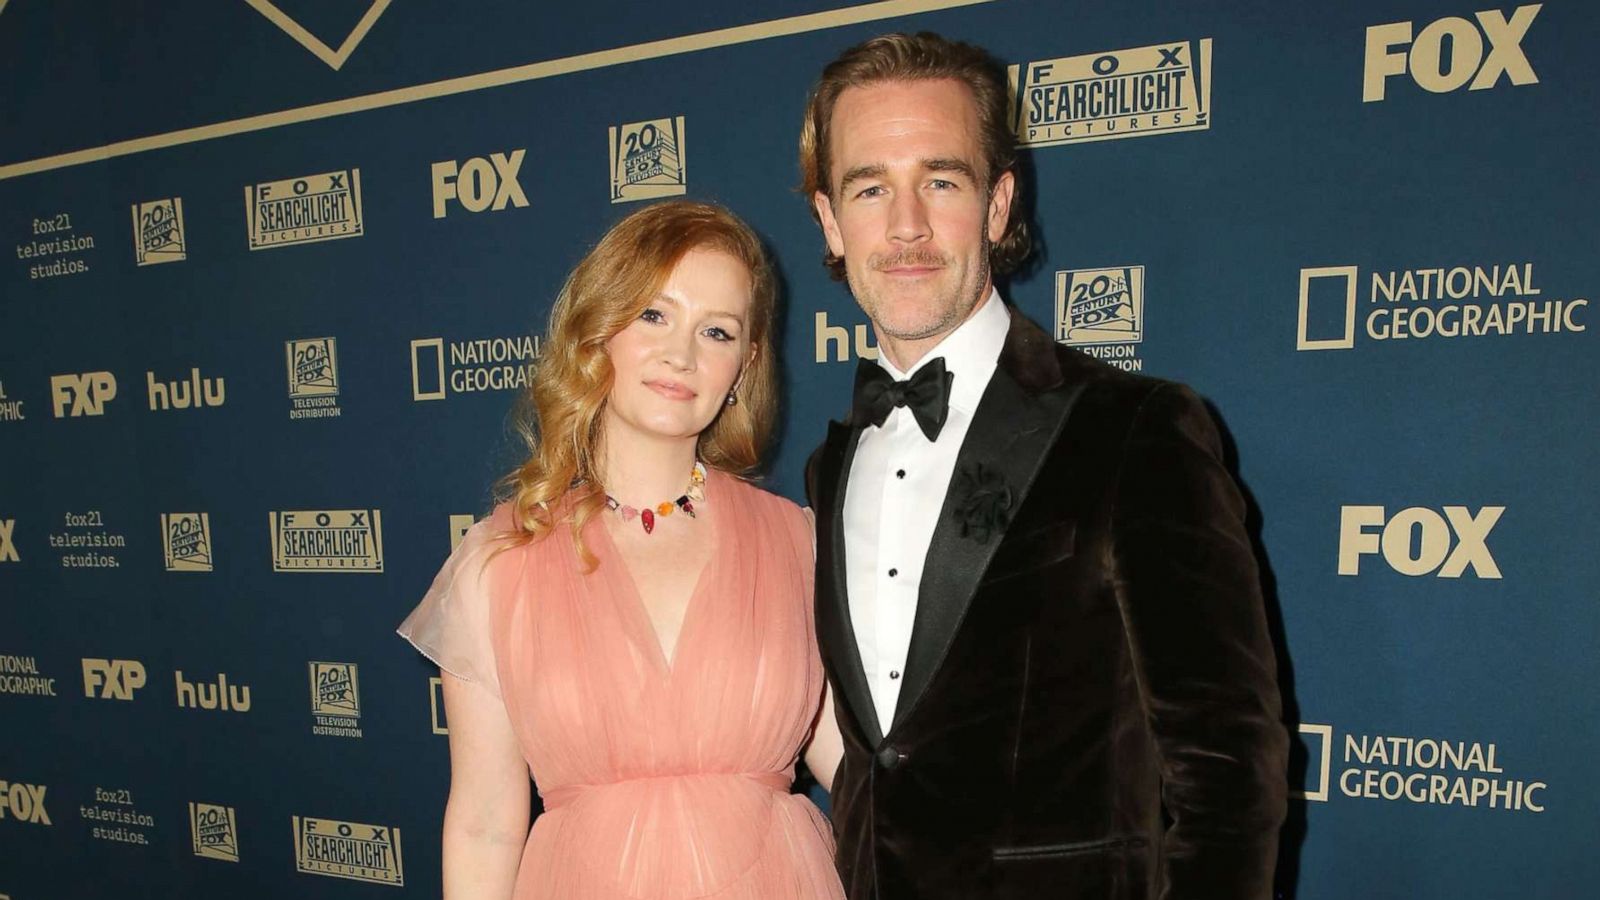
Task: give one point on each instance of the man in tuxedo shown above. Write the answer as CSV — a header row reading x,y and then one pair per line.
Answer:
x,y
1036,600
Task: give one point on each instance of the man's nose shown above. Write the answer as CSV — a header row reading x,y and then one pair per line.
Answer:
x,y
908,218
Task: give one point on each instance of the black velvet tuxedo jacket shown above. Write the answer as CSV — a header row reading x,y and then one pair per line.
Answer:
x,y
1089,706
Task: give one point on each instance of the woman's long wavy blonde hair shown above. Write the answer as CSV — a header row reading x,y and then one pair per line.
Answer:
x,y
560,416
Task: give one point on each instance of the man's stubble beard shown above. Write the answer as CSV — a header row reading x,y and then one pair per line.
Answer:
x,y
952,314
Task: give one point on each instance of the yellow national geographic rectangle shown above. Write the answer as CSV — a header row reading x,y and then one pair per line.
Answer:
x,y
304,210
1136,92
327,540
215,833
348,850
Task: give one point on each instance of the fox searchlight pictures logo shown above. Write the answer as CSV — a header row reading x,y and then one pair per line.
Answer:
x,y
304,210
158,232
1159,89
348,850
327,540
648,160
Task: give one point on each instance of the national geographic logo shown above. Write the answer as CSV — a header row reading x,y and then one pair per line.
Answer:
x,y
8,545
479,184
1435,71
313,365
158,232
215,833
186,541
441,725
836,339
23,802
1136,92
82,394
112,679
327,540
1463,301
1419,541
648,160
20,675
1425,770
335,699
1101,312
321,207
486,364
348,850
10,410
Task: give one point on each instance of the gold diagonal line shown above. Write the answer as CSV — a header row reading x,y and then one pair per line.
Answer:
x,y
295,30
334,58
361,29
706,40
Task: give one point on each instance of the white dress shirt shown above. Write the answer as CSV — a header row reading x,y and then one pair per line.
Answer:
x,y
897,484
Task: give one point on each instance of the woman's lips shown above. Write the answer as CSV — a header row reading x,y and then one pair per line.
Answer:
x,y
671,390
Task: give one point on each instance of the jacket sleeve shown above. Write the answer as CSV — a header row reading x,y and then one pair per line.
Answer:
x,y
1189,592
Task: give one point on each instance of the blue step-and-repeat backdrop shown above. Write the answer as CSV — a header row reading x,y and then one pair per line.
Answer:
x,y
276,271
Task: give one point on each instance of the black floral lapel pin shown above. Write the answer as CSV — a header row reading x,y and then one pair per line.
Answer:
x,y
981,501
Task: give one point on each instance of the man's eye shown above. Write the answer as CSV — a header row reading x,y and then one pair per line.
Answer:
x,y
874,191
941,184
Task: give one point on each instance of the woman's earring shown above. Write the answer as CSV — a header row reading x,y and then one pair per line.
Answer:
x,y
733,399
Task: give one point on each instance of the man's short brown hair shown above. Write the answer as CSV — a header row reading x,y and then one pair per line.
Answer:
x,y
924,56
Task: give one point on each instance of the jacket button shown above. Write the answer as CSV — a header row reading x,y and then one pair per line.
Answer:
x,y
889,757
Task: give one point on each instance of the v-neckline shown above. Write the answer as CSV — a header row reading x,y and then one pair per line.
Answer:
x,y
637,611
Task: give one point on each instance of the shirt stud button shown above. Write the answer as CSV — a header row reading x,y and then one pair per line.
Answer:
x,y
900,474
893,572
894,676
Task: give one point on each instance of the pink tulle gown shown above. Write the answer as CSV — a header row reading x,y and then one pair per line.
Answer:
x,y
659,780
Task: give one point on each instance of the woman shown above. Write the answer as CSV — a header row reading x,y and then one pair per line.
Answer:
x,y
633,624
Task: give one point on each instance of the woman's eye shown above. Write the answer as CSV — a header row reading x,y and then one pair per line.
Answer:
x,y
652,315
718,334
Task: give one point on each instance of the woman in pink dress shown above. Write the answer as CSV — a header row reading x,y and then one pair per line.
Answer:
x,y
633,625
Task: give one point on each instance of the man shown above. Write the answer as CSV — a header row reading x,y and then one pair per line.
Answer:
x,y
1036,600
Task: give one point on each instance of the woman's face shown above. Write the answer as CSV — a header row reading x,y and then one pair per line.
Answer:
x,y
674,365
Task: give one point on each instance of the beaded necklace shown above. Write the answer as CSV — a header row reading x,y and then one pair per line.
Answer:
x,y
696,493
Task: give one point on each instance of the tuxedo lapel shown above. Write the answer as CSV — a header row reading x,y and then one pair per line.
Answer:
x,y
835,631
1016,423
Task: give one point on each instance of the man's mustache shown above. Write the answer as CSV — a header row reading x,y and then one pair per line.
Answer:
x,y
919,257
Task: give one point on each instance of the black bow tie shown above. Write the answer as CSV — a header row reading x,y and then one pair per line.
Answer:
x,y
926,394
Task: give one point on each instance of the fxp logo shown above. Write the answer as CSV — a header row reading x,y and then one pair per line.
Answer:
x,y
83,394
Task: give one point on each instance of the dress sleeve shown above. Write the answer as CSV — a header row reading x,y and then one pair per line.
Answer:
x,y
453,625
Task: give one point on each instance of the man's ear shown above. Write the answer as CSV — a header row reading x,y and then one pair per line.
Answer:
x,y
830,226
1005,188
